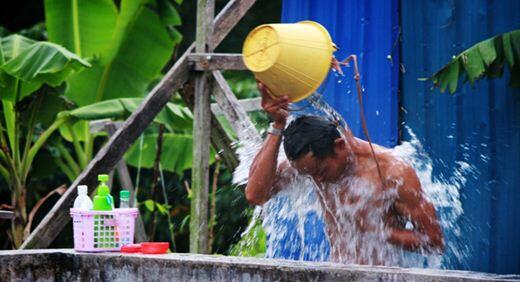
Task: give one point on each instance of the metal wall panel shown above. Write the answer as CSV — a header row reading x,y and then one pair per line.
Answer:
x,y
478,125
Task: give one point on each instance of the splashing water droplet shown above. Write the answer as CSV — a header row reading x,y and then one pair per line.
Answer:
x,y
300,197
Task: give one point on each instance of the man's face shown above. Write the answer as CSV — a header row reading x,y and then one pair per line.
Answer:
x,y
326,169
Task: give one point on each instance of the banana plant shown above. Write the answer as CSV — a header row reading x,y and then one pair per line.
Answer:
x,y
485,59
177,147
29,73
128,43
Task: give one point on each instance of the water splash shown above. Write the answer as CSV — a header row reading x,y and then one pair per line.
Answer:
x,y
300,198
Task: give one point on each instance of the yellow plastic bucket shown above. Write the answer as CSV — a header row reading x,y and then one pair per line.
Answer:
x,y
290,59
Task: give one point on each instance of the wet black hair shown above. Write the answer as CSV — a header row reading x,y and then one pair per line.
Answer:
x,y
310,134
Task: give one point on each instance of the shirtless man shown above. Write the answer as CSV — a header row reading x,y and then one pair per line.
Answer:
x,y
369,219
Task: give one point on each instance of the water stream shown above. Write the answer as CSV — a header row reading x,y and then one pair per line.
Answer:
x,y
300,198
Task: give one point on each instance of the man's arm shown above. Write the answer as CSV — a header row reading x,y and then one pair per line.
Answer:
x,y
265,177
264,174
411,204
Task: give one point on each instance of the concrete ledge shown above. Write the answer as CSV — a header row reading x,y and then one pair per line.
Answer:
x,y
67,265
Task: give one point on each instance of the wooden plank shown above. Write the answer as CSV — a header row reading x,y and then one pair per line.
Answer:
x,y
248,105
219,138
201,134
234,113
99,125
6,215
114,149
214,61
228,18
126,183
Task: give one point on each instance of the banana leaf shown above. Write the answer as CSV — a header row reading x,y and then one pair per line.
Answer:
x,y
485,59
83,26
174,117
177,152
44,62
123,63
34,64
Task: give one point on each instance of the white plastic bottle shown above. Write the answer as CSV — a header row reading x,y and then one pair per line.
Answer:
x,y
83,201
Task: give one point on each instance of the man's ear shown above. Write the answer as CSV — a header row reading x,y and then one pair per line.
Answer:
x,y
339,145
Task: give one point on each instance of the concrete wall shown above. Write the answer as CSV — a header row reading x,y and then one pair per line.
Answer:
x,y
66,265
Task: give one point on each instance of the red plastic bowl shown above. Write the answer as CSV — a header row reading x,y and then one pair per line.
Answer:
x,y
155,247
131,248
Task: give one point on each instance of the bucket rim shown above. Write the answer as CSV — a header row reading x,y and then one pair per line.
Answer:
x,y
323,30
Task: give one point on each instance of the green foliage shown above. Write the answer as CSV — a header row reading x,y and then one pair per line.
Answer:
x,y
54,64
26,66
177,152
253,241
83,26
174,117
127,42
32,64
28,71
128,47
485,59
151,206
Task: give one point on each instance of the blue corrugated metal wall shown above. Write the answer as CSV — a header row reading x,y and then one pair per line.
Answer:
x,y
370,30
479,125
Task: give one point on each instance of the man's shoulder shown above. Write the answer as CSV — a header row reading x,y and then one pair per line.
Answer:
x,y
402,175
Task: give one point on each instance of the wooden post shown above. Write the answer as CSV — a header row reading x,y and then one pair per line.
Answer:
x,y
105,160
201,134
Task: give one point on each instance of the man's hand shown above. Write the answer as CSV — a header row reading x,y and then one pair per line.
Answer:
x,y
276,108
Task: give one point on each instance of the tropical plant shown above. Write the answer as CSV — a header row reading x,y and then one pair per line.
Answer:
x,y
127,42
253,240
29,71
177,145
485,59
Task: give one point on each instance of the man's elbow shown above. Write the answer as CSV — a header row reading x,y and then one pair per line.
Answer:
x,y
253,198
437,244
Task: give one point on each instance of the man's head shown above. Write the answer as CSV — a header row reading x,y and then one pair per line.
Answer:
x,y
314,147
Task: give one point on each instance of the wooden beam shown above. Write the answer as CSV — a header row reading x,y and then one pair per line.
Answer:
x,y
201,134
114,149
219,138
6,215
213,61
248,105
228,18
229,104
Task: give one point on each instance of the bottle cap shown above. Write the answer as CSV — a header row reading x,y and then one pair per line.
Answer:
x,y
103,177
124,194
82,189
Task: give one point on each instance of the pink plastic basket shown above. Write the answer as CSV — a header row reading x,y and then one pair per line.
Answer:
x,y
101,231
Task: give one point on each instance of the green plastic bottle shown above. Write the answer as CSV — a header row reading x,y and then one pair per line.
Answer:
x,y
103,201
